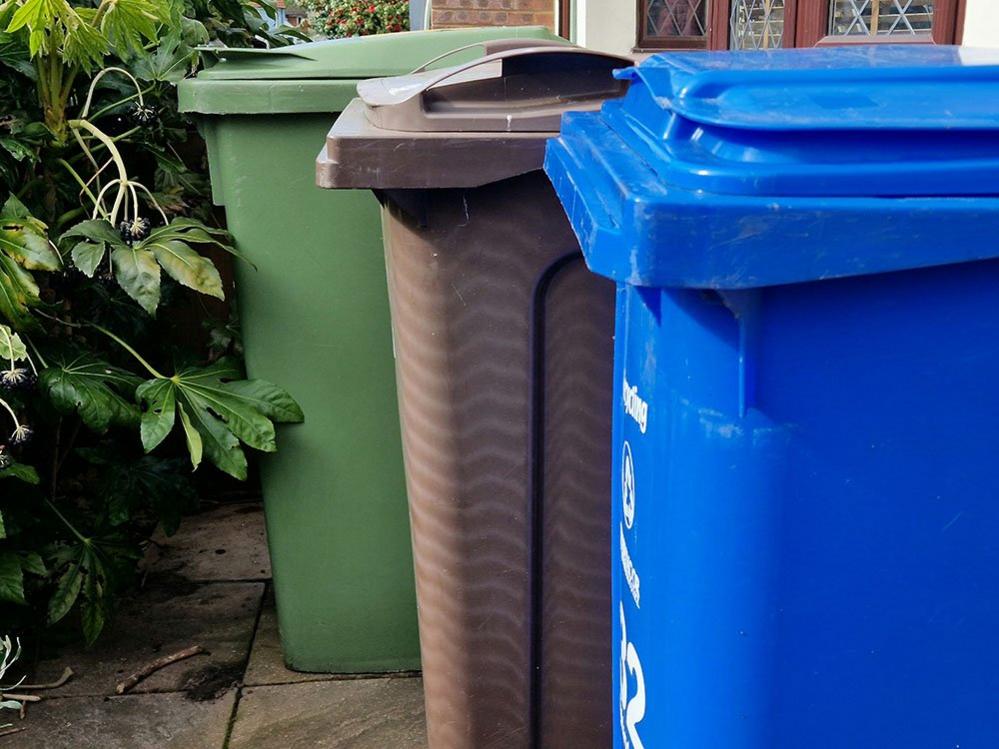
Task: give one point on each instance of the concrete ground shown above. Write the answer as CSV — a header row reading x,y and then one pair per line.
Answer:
x,y
209,585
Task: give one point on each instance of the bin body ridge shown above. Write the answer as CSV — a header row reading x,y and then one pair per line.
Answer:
x,y
503,342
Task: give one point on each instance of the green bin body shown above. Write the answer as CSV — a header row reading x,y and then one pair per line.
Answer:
x,y
315,319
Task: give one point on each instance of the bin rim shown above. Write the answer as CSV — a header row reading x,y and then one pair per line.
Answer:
x,y
313,77
867,120
464,126
636,229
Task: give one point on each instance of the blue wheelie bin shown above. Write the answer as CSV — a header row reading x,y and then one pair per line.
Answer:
x,y
806,497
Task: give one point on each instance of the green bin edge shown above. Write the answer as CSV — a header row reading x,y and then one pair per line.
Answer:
x,y
321,76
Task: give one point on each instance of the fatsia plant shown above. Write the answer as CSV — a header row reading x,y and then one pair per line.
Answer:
x,y
65,39
107,240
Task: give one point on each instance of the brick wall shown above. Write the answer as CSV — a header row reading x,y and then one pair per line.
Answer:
x,y
453,13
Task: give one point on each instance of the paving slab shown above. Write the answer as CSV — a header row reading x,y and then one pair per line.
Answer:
x,y
161,721
352,714
161,620
225,543
266,665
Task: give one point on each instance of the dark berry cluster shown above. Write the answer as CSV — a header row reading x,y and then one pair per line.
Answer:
x,y
135,230
105,277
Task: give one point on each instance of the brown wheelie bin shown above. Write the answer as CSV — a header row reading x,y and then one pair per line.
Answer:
x,y
503,346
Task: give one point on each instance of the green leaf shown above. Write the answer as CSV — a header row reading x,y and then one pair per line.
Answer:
x,y
24,246
66,592
127,23
84,45
87,256
12,348
138,267
217,413
100,393
19,471
171,60
25,239
195,445
31,562
35,41
18,293
33,14
158,419
96,236
92,611
192,231
204,390
18,150
273,402
139,275
3,529
187,267
11,578
131,486
96,230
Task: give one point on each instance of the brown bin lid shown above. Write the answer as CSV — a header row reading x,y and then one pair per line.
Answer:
x,y
464,126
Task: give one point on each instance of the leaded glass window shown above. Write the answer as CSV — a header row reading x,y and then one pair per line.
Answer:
x,y
665,19
880,17
757,24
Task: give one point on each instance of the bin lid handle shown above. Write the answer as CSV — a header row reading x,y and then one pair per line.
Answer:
x,y
572,78
491,46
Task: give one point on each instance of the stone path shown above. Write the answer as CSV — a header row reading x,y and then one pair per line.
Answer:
x,y
210,585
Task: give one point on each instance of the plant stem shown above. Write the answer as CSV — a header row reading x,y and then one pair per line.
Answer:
x,y
41,359
115,155
70,444
54,473
93,85
149,367
72,528
104,110
79,180
50,93
68,216
6,406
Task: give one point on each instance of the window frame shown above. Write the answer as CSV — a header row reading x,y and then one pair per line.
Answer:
x,y
813,23
806,23
645,43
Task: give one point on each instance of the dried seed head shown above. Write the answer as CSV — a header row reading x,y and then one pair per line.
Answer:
x,y
143,114
19,378
21,436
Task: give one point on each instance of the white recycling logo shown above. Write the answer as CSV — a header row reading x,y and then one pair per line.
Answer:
x,y
628,486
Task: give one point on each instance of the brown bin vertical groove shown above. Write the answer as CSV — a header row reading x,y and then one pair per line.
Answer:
x,y
575,631
462,278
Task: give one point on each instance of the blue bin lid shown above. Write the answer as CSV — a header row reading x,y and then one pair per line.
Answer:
x,y
741,169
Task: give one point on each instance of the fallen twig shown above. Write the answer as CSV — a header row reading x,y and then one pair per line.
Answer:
x,y
150,668
12,731
19,697
67,674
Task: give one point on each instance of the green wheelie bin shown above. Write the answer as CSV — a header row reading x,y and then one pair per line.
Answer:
x,y
315,316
